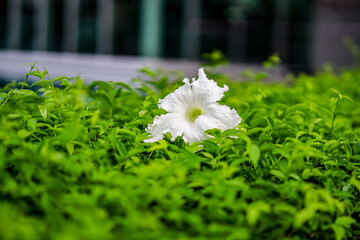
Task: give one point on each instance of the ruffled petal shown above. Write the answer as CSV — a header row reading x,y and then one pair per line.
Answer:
x,y
199,92
217,116
176,125
170,122
205,90
178,100
193,134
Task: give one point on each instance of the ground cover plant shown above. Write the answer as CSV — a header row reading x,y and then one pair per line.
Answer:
x,y
73,164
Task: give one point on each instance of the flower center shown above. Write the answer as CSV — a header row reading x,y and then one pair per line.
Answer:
x,y
194,114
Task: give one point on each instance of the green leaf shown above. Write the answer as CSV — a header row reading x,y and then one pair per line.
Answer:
x,y
70,148
214,132
297,107
278,174
34,73
264,137
345,221
339,232
162,144
303,216
42,83
270,121
254,153
348,150
25,92
43,111
61,78
124,85
254,211
3,96
331,145
300,134
120,147
355,182
211,147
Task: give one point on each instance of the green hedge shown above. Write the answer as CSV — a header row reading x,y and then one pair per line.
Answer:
x,y
73,164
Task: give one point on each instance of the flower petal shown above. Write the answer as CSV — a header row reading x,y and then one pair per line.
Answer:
x,y
173,123
218,116
199,92
170,122
193,134
176,101
205,90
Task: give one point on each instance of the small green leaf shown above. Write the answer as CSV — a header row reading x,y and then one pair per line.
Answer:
x,y
162,144
348,150
43,111
254,153
345,221
300,134
254,211
214,132
339,232
70,148
303,216
34,73
278,174
3,96
42,83
61,78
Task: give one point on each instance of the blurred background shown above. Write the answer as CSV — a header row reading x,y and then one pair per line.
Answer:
x,y
85,36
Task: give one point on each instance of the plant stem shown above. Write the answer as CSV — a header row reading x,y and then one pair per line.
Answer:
x,y
4,102
334,116
27,76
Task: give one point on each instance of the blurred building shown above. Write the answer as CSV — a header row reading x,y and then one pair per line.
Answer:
x,y
305,33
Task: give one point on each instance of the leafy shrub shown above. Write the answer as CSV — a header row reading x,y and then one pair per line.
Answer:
x,y
73,164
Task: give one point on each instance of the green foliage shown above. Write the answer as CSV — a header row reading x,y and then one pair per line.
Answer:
x,y
214,59
73,164
272,62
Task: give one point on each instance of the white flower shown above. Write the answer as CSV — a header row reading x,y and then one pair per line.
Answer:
x,y
193,109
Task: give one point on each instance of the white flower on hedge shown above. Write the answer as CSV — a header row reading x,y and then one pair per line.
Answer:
x,y
193,109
